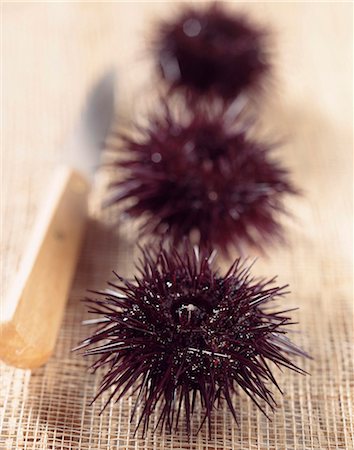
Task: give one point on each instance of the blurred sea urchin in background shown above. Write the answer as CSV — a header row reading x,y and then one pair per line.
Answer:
x,y
198,172
210,51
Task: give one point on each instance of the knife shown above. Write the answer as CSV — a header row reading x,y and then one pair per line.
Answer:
x,y
31,313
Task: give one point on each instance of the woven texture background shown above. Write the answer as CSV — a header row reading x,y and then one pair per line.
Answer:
x,y
51,54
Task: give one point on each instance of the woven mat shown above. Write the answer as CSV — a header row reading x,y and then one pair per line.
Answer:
x,y
49,408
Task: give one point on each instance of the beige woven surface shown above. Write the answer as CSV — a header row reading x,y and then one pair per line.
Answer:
x,y
51,53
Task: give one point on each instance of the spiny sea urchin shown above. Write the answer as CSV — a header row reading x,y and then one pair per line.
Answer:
x,y
201,172
181,331
211,51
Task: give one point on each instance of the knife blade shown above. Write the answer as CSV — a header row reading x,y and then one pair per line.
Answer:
x,y
32,311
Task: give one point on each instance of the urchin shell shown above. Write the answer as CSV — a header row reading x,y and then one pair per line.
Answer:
x,y
198,173
211,51
181,332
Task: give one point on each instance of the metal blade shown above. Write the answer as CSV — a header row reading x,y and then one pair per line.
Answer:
x,y
84,147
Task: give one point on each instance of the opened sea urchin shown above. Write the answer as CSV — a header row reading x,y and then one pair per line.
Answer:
x,y
182,332
201,173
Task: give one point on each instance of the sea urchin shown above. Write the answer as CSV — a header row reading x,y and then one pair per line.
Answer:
x,y
181,332
199,172
211,51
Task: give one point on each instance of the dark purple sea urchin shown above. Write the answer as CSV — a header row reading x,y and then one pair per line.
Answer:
x,y
201,172
181,332
211,51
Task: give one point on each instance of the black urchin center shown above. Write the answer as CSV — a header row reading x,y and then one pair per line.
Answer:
x,y
190,312
192,342
185,332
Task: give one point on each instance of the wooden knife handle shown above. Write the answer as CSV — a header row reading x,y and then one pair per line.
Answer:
x,y
31,314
